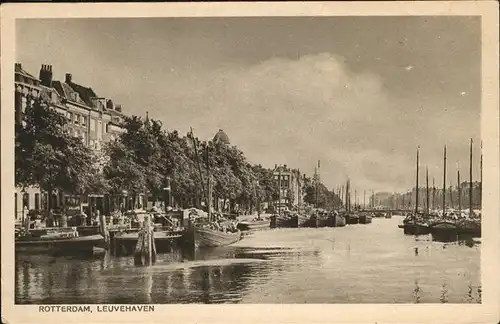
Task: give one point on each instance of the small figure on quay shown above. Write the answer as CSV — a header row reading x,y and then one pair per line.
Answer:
x,y
83,218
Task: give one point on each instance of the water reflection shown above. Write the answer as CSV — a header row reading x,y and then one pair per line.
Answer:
x,y
356,264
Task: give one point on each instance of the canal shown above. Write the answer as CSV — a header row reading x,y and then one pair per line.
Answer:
x,y
372,263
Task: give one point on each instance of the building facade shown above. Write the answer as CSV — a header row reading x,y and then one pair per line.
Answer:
x,y
94,119
290,186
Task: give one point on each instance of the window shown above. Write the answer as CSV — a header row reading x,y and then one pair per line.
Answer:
x,y
99,130
69,115
77,119
37,201
83,120
44,201
26,200
84,138
93,124
106,127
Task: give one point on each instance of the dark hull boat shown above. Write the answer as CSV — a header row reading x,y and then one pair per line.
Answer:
x,y
469,228
339,221
294,221
314,221
444,231
254,225
126,242
388,215
73,245
206,237
415,229
352,219
365,219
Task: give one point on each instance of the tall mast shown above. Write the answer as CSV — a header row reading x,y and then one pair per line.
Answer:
x,y
199,165
209,186
444,180
355,198
433,194
316,186
470,179
481,179
342,196
416,198
451,196
279,189
427,189
364,199
459,193
347,196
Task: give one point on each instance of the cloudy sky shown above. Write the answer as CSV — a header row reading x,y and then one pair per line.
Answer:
x,y
358,93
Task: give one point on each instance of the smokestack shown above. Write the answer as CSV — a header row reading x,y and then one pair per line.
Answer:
x,y
46,75
110,105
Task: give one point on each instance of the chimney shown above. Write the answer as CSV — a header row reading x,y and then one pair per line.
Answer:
x,y
118,108
68,78
275,166
110,105
46,75
284,167
17,66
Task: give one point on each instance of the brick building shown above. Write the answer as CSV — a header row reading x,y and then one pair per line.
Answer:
x,y
92,118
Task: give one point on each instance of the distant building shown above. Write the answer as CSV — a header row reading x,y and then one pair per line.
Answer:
x,y
93,119
291,185
221,137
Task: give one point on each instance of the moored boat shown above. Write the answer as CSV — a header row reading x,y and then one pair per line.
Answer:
x,y
444,231
58,241
255,224
126,241
339,220
416,229
469,227
313,221
352,218
365,218
208,237
388,214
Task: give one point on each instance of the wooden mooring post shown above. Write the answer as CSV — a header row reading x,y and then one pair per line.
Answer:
x,y
103,228
145,250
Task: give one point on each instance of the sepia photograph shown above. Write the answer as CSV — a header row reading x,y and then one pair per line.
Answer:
x,y
260,159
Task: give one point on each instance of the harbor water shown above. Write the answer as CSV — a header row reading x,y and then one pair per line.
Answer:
x,y
374,263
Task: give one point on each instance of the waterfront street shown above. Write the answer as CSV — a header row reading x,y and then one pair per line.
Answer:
x,y
373,263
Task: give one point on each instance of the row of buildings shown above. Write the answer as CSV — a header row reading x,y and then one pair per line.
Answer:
x,y
97,120
94,119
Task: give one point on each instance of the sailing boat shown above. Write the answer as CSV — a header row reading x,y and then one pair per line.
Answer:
x,y
415,225
351,217
213,233
471,226
444,230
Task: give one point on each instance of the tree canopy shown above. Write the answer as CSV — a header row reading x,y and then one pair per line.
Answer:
x,y
47,155
143,160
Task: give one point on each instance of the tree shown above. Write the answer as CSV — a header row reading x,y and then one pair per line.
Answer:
x,y
47,155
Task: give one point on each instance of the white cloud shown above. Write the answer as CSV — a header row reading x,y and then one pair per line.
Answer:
x,y
295,112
